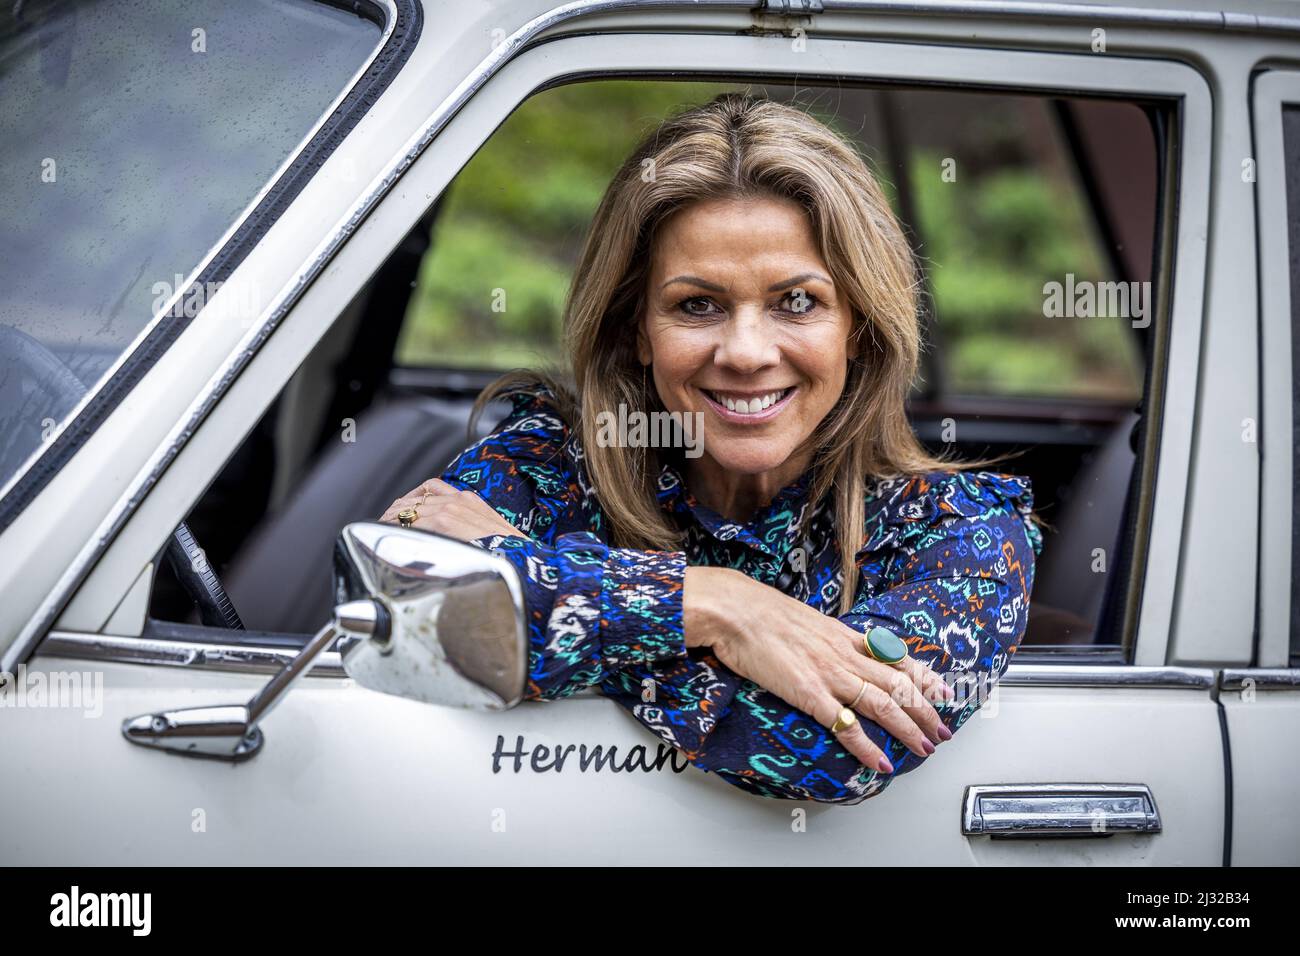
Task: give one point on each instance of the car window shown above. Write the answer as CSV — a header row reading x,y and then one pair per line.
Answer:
x,y
132,137
479,285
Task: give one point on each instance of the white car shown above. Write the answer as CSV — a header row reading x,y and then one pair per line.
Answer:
x,y
213,218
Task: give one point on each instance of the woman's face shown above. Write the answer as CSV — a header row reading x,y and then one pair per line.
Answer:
x,y
743,324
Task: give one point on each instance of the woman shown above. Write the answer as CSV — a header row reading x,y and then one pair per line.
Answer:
x,y
744,270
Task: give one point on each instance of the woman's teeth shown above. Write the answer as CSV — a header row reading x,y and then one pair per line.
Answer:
x,y
751,406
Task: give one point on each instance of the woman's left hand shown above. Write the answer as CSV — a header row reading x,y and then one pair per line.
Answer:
x,y
447,510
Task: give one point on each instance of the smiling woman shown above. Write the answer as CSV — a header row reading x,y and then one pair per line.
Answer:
x,y
814,563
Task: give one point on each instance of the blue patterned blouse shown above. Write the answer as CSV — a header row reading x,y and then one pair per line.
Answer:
x,y
947,563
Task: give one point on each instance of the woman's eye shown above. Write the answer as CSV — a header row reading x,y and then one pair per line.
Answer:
x,y
799,302
696,305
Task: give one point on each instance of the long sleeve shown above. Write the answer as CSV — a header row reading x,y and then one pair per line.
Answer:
x,y
592,609
949,569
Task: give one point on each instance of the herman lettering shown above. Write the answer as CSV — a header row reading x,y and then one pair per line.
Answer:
x,y
543,759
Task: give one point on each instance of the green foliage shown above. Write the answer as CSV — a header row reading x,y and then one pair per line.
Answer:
x,y
484,298
992,242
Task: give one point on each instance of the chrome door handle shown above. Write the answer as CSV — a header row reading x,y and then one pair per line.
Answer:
x,y
1059,810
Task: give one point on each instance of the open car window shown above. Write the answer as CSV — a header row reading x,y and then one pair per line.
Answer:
x,y
478,285
133,136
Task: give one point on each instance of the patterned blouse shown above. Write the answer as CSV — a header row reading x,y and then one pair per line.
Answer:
x,y
947,563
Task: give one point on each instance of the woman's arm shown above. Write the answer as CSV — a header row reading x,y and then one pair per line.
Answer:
x,y
594,611
953,580
812,661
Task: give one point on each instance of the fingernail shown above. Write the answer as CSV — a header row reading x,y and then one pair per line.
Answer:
x,y
929,747
885,766
944,732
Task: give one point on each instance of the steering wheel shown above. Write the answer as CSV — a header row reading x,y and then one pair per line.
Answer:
x,y
36,385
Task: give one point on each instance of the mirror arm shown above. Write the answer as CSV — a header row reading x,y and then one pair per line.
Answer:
x,y
232,732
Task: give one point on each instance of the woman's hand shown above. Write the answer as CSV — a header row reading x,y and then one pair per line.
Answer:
x,y
457,514
812,661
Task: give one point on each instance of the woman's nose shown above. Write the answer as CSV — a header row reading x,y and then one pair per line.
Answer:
x,y
748,343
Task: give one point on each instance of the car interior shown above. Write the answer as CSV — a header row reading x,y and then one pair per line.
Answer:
x,y
269,520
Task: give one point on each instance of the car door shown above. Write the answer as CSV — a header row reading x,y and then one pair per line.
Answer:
x,y
1101,746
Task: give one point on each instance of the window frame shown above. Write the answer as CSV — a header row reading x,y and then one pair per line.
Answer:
x,y
1278,633
1151,588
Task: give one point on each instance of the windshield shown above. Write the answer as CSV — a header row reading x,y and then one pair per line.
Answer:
x,y
132,136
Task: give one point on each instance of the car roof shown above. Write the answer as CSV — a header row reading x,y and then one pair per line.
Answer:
x,y
1232,14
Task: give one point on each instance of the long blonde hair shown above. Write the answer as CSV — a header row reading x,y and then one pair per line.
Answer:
x,y
736,147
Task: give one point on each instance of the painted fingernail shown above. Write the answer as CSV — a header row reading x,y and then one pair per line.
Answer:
x,y
944,732
929,747
885,766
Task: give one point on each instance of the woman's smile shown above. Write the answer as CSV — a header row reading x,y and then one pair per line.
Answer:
x,y
753,407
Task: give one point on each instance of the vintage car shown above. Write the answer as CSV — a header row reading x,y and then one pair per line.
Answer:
x,y
224,228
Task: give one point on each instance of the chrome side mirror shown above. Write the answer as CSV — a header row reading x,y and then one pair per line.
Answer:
x,y
420,615
449,624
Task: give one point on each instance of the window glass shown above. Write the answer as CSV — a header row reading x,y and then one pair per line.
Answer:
x,y
1005,222
132,136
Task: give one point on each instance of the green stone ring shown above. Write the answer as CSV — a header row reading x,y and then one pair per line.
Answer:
x,y
884,645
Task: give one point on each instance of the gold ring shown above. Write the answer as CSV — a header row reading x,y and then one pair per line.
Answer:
x,y
854,705
844,721
407,517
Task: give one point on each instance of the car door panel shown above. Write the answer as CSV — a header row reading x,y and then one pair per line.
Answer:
x,y
347,775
